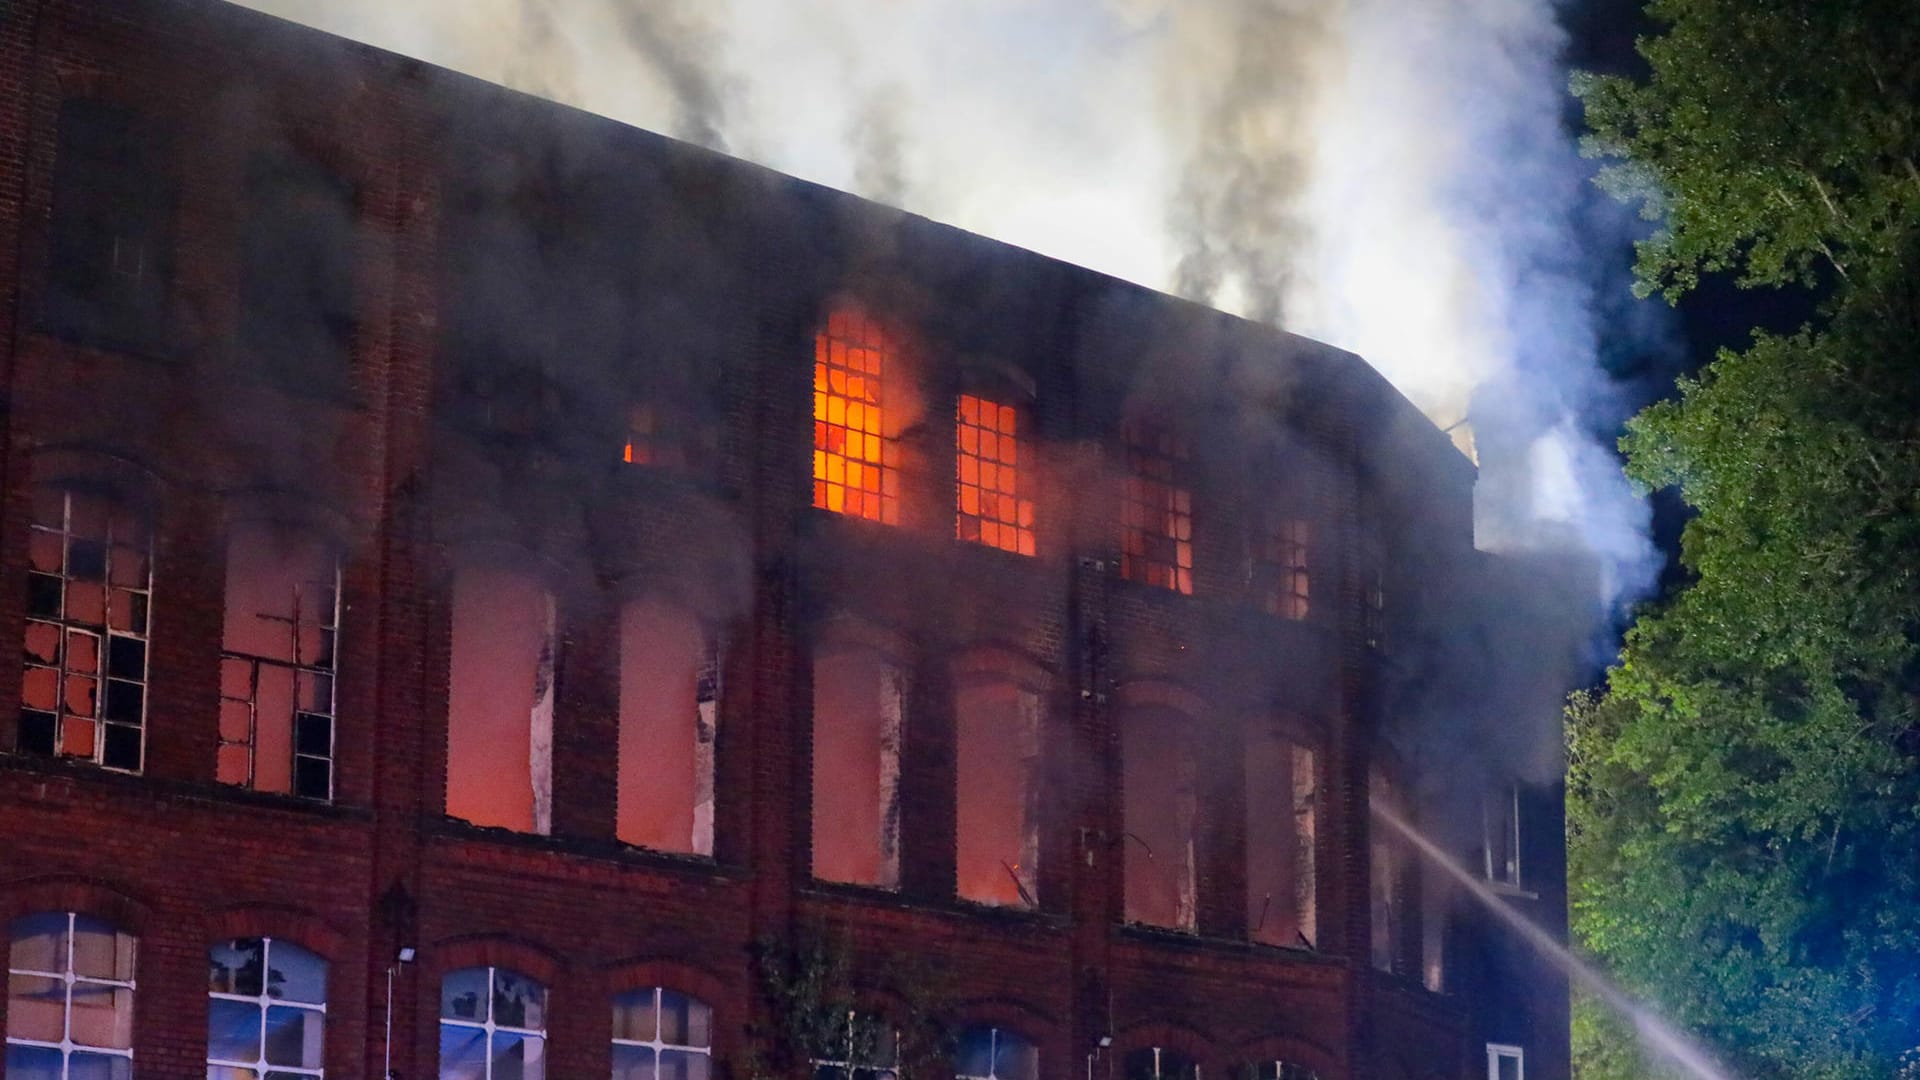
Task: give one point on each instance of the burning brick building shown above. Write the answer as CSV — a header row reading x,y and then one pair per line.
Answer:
x,y
504,594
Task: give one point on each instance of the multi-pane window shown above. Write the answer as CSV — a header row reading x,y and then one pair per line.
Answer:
x,y
1506,1062
1281,798
995,482
277,663
89,587
69,999
1283,1070
266,1011
1156,522
856,460
1160,1063
493,1026
1500,826
988,1053
107,270
659,1034
862,1048
1284,556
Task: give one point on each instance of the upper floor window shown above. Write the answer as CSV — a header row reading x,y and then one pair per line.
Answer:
x,y
1506,1062
997,776
995,479
858,702
856,455
266,1011
493,1026
1373,614
298,256
863,1048
1286,584
1281,803
1161,783
1386,879
277,659
1500,830
89,586
500,701
669,692
989,1053
69,999
658,1033
1159,1063
108,273
1156,522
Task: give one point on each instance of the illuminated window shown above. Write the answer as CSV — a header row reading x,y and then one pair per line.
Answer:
x,y
1160,779
644,444
1157,515
69,999
669,692
859,701
267,1011
864,1048
493,1026
1506,1062
997,777
660,1033
996,505
671,435
1284,555
985,1053
89,587
500,699
856,462
277,663
1160,1063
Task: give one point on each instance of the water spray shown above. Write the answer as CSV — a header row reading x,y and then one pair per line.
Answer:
x,y
1656,1034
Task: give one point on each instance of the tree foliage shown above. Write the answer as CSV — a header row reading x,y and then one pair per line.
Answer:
x,y
1744,795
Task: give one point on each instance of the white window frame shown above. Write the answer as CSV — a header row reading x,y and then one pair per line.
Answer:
x,y
488,1025
993,1052
329,672
265,1000
852,1070
1498,1052
69,980
658,1042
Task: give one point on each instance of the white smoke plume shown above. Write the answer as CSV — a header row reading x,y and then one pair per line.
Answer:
x,y
1391,176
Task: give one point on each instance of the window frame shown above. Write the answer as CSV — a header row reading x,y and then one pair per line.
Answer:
x,y
68,979
1284,558
1007,456
488,1026
265,1001
1158,485
330,674
995,1031
659,1044
847,1068
1498,1052
850,328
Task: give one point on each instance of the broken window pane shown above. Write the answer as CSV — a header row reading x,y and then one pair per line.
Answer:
x,y
865,1047
297,309
1157,847
84,541
1280,800
995,476
661,1035
267,1008
1156,509
856,456
500,701
110,242
276,674
492,1025
70,995
1285,581
997,775
857,704
668,695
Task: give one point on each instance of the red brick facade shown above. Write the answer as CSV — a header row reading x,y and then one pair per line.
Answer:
x,y
728,270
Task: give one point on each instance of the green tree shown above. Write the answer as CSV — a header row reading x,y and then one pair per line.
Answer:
x,y
1744,795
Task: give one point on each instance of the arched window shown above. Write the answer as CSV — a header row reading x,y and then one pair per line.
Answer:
x,y
1281,805
493,1026
863,1048
669,688
267,1010
858,701
1282,1070
1161,783
89,584
500,701
856,455
660,1034
989,1053
69,999
1160,1063
277,658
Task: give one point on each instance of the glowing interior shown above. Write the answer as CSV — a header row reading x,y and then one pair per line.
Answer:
x,y
856,462
995,503
1156,526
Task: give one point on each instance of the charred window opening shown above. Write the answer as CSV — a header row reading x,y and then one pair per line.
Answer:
x,y
858,701
1387,870
1159,1063
277,663
1282,1070
1500,831
70,986
1156,524
1434,933
297,310
1162,810
266,1010
89,591
989,1053
1506,1062
997,779
493,1025
856,456
1374,596
673,435
500,702
1287,584
1282,804
995,483
669,692
661,1033
865,1047
108,268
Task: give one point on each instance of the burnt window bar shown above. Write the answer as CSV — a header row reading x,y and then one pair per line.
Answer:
x,y
995,501
1289,589
1157,510
310,664
89,589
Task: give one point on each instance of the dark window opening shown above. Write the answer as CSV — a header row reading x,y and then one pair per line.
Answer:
x,y
1156,524
297,310
109,261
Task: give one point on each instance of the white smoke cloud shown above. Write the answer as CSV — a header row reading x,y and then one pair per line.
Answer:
x,y
1389,176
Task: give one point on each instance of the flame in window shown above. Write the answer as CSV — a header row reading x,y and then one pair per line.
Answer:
x,y
996,507
1156,523
856,463
643,435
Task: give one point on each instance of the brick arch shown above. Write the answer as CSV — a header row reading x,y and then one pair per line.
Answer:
x,y
667,973
82,896
295,925
1168,1035
1007,1014
1292,1048
1310,730
488,551
991,659
844,631
1141,694
118,473
309,512
493,950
